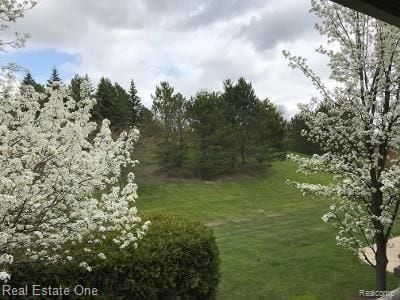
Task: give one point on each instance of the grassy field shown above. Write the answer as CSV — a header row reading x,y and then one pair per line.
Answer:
x,y
272,241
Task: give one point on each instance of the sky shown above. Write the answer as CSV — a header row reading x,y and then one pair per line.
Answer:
x,y
193,44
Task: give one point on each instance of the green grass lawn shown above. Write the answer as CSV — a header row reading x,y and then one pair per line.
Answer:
x,y
272,241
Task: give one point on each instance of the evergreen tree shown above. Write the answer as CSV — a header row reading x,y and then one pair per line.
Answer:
x,y
122,116
75,87
150,128
169,109
234,130
297,141
28,80
113,103
54,77
136,105
267,134
213,140
241,107
87,79
105,95
162,107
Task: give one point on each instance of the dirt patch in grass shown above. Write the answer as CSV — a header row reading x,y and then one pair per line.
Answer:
x,y
214,224
260,212
268,214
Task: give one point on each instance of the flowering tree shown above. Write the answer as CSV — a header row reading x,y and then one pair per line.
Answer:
x,y
10,12
359,128
52,164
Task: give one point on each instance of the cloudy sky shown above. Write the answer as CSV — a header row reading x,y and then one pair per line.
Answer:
x,y
193,44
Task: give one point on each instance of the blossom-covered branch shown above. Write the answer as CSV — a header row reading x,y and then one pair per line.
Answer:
x,y
357,125
51,170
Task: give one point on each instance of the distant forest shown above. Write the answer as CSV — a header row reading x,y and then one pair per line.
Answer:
x,y
207,135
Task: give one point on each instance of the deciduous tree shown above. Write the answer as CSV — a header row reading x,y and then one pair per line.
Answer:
x,y
50,174
359,130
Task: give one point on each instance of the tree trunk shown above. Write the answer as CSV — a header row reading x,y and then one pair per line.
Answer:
x,y
381,262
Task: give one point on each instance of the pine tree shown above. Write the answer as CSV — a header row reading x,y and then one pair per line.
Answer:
x,y
162,106
297,141
54,77
212,138
28,80
105,96
169,109
136,105
87,79
241,103
75,87
122,115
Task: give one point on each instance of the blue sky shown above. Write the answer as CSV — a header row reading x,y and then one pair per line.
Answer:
x,y
40,62
193,44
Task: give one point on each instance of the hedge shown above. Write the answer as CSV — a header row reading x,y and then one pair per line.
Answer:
x,y
177,259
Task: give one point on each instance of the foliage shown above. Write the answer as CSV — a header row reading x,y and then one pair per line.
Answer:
x,y
75,86
213,140
114,103
10,12
105,106
268,131
50,172
149,127
298,142
28,80
122,117
135,105
213,134
170,110
240,107
178,259
359,130
54,77
234,130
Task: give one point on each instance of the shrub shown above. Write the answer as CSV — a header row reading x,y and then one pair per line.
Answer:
x,y
177,259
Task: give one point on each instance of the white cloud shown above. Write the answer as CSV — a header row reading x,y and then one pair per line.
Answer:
x,y
193,44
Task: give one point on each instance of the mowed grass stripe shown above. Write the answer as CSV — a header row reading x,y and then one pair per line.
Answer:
x,y
272,240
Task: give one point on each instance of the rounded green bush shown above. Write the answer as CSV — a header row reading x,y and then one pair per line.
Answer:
x,y
177,259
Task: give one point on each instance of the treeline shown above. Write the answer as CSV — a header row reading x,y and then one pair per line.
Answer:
x,y
207,135
123,108
214,133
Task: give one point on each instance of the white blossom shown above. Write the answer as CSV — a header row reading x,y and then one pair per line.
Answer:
x,y
4,276
101,255
53,162
357,125
85,266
